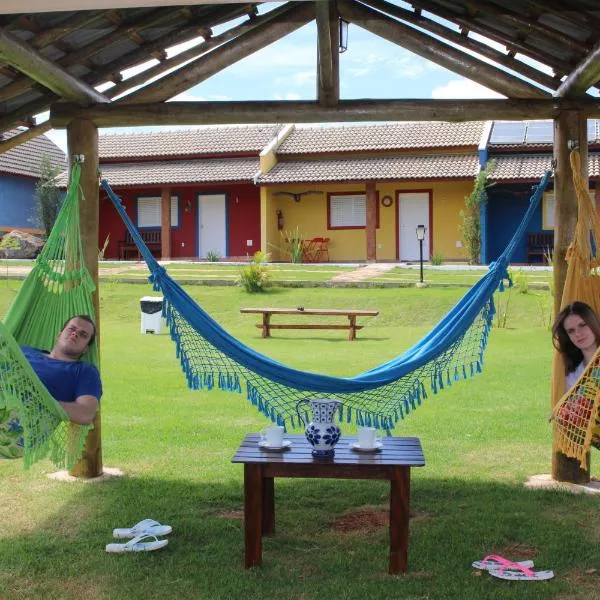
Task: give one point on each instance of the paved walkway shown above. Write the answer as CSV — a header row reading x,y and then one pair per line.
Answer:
x,y
364,272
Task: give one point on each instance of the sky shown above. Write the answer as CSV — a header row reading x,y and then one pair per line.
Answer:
x,y
286,70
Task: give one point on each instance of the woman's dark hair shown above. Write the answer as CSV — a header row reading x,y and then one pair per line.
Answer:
x,y
572,355
83,318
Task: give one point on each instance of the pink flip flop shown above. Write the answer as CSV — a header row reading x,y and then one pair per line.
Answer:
x,y
493,562
520,574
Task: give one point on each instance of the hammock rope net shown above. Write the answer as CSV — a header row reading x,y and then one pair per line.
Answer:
x,y
575,413
58,287
380,397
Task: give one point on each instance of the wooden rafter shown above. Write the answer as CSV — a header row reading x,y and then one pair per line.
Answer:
x,y
585,75
210,113
559,66
192,53
295,16
21,56
9,120
328,57
439,52
523,23
462,39
25,136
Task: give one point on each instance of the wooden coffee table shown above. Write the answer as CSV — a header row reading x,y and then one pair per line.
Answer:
x,y
392,462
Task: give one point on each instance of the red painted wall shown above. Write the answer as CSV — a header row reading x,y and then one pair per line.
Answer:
x,y
243,213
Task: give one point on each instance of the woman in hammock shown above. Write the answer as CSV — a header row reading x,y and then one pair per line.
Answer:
x,y
576,335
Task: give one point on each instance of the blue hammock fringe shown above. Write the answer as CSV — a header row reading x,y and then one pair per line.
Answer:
x,y
380,397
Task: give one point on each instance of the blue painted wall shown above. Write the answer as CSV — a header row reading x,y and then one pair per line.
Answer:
x,y
506,206
17,202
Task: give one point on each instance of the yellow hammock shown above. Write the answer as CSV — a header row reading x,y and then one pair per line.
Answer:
x,y
575,412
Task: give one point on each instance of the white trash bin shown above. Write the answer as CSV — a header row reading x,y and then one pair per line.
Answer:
x,y
152,321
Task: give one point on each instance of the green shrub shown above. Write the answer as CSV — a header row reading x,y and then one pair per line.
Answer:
x,y
522,281
213,256
437,258
294,245
255,277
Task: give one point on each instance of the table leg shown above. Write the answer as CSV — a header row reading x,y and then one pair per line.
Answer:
x,y
253,511
399,520
352,331
266,329
268,506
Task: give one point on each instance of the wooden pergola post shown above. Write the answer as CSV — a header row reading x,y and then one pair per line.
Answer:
x,y
371,221
82,139
165,224
570,130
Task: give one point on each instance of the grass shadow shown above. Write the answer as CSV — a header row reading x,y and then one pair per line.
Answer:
x,y
453,523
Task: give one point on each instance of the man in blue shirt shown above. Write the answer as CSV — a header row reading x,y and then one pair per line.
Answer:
x,y
74,384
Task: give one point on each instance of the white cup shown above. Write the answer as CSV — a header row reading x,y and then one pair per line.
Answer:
x,y
272,436
367,437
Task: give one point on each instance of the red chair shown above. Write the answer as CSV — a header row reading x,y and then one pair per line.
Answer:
x,y
320,249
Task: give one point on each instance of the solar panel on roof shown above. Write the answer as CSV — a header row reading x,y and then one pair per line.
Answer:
x,y
508,133
540,132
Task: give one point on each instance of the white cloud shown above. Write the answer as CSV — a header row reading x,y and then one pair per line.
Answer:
x,y
299,79
288,96
359,71
464,89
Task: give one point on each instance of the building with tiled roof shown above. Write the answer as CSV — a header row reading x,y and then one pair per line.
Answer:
x,y
19,173
235,190
522,151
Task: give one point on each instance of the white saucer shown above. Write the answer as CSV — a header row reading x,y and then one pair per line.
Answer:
x,y
264,446
376,448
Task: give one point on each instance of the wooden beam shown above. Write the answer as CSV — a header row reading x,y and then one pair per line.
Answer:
x,y
432,49
327,46
187,55
371,221
25,136
296,15
569,126
21,56
209,113
469,43
9,120
585,75
82,138
497,35
165,223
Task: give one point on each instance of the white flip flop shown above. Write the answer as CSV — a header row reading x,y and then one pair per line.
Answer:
x,y
138,544
516,576
145,527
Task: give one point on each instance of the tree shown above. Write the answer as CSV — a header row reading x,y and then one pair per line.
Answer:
x,y
471,225
48,196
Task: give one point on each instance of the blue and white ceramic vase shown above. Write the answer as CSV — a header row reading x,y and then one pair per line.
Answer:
x,y
322,433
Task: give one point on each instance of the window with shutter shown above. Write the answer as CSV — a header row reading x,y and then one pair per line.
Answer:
x,y
347,210
148,211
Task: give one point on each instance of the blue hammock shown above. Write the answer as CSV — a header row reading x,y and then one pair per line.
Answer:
x,y
379,397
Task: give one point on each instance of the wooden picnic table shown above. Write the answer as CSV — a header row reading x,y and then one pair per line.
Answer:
x,y
351,313
393,462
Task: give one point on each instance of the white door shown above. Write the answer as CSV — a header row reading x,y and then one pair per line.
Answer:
x,y
212,224
413,210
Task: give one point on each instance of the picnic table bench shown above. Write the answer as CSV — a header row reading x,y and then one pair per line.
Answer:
x,y
351,313
150,237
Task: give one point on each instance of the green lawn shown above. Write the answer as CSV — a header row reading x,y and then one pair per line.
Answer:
x,y
481,439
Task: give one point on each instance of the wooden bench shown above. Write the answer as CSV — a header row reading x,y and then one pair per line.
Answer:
x,y
150,237
267,313
539,245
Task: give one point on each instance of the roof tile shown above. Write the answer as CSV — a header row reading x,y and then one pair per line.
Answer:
x,y
389,136
531,167
216,170
446,166
25,158
187,142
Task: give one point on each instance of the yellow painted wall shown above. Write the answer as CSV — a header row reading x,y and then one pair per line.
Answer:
x,y
309,215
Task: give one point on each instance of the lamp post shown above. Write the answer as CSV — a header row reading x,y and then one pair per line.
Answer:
x,y
421,229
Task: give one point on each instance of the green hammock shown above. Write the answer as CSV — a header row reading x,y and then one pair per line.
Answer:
x,y
58,287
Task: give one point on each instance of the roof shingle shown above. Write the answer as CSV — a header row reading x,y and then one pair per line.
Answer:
x,y
531,167
216,170
187,142
457,166
390,136
25,159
